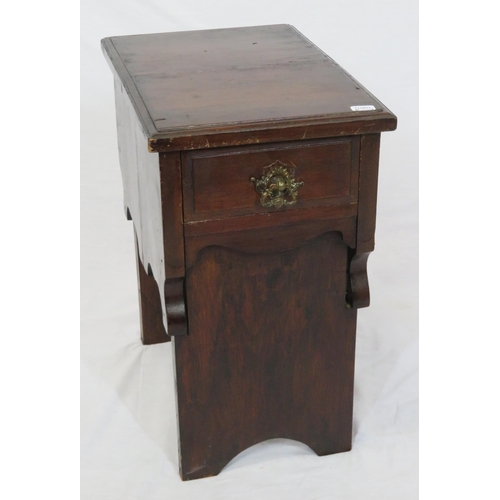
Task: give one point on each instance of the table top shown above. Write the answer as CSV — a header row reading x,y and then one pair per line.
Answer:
x,y
199,83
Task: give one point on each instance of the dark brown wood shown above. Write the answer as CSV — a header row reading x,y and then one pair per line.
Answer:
x,y
151,316
368,181
171,201
175,305
270,353
264,239
358,290
142,189
260,302
365,238
272,218
241,81
283,132
153,200
127,144
217,182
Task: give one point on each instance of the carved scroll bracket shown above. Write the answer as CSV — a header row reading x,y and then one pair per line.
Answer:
x,y
358,291
175,306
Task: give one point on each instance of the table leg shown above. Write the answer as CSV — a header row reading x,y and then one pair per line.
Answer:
x,y
152,329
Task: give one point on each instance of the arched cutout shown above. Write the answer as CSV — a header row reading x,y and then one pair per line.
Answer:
x,y
275,448
259,362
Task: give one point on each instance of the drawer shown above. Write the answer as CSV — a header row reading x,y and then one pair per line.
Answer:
x,y
224,182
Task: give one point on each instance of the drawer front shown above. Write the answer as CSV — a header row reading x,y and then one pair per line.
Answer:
x,y
218,183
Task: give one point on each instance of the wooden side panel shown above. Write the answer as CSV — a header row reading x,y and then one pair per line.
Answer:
x,y
153,200
368,182
141,182
270,353
152,329
173,230
359,295
125,117
150,230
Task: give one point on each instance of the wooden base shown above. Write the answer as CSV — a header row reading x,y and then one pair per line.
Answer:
x,y
269,354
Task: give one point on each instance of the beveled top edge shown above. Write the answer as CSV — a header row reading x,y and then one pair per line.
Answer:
x,y
121,73
297,132
171,138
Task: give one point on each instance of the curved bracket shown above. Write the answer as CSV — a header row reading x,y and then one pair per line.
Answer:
x,y
175,306
358,293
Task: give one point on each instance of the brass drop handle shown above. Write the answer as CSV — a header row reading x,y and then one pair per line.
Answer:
x,y
277,186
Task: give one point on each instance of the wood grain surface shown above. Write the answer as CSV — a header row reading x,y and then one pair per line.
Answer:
x,y
268,239
217,181
260,302
270,353
359,295
150,309
153,201
188,86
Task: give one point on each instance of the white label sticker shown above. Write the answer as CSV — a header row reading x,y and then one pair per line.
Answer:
x,y
365,107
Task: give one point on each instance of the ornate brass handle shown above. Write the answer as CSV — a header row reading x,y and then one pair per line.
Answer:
x,y
277,185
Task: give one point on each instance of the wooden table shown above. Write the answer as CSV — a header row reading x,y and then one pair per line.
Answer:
x,y
249,161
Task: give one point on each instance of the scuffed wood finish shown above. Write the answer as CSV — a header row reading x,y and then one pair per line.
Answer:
x,y
217,181
151,316
260,302
274,218
281,131
239,86
270,353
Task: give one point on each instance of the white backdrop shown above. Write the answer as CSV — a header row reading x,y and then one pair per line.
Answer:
x,y
128,442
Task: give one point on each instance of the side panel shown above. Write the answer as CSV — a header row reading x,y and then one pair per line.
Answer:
x,y
153,200
359,294
270,351
368,182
